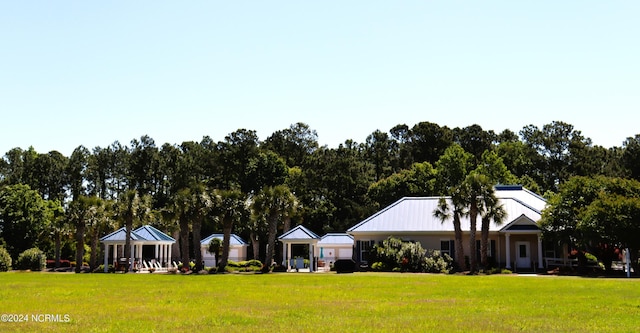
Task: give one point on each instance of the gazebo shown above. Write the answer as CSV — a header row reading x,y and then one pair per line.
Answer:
x,y
298,235
146,242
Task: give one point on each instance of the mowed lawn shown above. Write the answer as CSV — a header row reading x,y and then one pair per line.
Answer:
x,y
303,302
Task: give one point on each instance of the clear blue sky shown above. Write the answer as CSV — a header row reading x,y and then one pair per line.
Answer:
x,y
91,72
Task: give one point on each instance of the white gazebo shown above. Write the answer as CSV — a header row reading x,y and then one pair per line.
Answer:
x,y
298,235
145,236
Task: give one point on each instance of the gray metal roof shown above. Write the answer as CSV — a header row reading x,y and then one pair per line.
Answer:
x,y
151,233
336,239
299,233
416,214
120,235
234,240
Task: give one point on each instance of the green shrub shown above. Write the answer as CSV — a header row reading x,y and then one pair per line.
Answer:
x,y
436,262
379,266
505,271
32,259
5,260
253,265
100,269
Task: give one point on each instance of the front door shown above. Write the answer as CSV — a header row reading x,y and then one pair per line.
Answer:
x,y
523,255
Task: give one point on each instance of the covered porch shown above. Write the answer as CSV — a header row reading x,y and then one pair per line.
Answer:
x,y
523,245
298,236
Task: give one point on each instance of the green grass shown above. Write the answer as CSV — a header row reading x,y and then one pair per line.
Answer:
x,y
361,302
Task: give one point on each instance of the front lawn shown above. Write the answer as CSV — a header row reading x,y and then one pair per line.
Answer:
x,y
360,302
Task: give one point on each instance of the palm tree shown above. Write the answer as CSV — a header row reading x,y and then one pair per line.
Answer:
x,y
454,211
79,211
200,205
475,188
191,206
129,208
275,203
493,211
98,220
231,208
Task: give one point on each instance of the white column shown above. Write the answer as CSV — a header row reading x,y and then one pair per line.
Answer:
x,y
115,252
169,263
106,257
508,250
156,254
540,259
284,255
163,251
288,256
131,259
310,257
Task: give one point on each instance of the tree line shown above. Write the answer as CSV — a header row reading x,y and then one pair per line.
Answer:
x,y
261,188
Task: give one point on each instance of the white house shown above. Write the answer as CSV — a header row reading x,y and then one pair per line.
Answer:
x,y
237,249
514,244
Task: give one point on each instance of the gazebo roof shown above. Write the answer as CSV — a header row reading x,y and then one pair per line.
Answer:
x,y
120,235
146,234
299,233
235,240
151,233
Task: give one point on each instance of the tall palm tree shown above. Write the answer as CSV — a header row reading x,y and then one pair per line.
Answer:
x,y
275,203
98,220
454,211
475,188
130,208
495,211
79,211
231,208
192,205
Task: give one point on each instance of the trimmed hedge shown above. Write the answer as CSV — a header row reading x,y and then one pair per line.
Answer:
x,y
32,259
5,260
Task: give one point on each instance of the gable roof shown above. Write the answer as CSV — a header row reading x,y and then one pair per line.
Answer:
x,y
234,240
299,233
145,233
336,239
416,214
151,233
120,235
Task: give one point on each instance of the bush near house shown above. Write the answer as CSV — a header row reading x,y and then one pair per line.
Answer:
x,y
32,259
243,266
396,255
5,260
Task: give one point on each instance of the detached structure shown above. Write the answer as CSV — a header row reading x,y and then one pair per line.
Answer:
x,y
147,243
237,249
332,247
514,244
298,236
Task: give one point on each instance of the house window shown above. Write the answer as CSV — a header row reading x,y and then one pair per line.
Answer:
x,y
522,251
365,247
491,245
448,247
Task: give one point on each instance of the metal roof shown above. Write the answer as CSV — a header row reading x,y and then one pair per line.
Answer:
x,y
120,235
299,233
416,214
151,233
336,239
234,240
145,233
